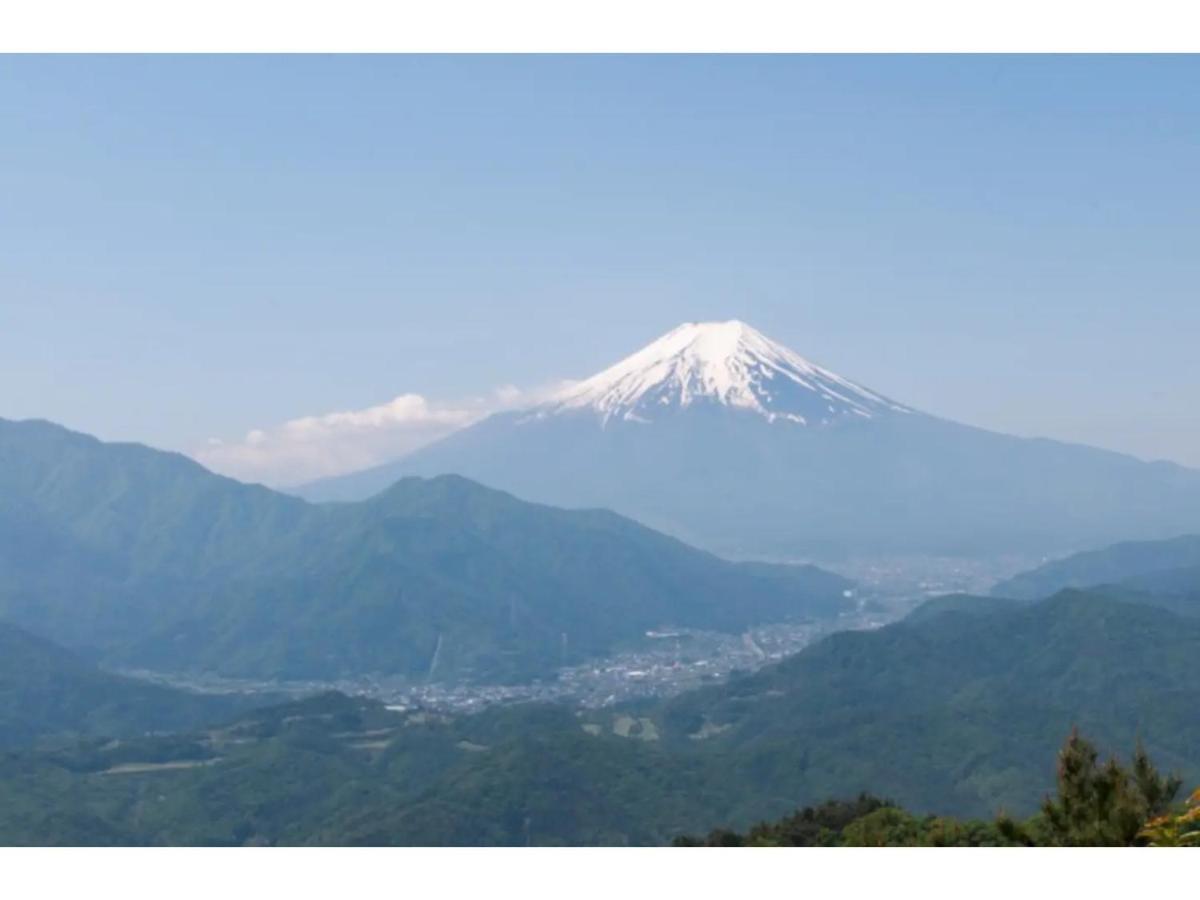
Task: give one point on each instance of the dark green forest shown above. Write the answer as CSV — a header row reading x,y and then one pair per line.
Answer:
x,y
1095,804
952,714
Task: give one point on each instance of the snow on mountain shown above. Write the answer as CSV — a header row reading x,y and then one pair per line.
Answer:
x,y
724,363
756,453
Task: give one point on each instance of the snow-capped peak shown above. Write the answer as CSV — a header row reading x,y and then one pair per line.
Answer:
x,y
724,363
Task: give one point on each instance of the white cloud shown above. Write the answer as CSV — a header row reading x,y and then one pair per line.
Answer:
x,y
312,447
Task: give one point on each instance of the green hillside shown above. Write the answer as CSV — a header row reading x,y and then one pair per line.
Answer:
x,y
954,713
153,561
1169,566
47,692
958,603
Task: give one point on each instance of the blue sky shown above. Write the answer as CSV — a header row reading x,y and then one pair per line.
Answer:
x,y
200,247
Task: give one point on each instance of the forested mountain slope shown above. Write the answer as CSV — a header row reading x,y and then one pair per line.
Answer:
x,y
153,561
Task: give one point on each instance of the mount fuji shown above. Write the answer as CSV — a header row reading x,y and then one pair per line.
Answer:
x,y
731,441
723,363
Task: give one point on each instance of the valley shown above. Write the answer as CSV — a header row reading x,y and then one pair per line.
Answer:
x,y
662,665
448,662
955,710
601,450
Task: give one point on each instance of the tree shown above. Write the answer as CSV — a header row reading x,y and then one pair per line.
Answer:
x,y
1102,805
1096,805
1176,830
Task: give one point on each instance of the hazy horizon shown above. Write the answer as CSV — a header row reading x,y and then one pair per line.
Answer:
x,y
661,451
204,250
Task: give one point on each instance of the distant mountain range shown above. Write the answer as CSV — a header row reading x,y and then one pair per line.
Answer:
x,y
732,442
120,556
1166,572
149,560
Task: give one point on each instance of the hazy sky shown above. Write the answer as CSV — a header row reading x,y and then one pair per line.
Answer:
x,y
203,248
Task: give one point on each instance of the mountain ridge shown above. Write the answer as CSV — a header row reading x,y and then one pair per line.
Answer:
x,y
47,692
1167,565
689,437
159,564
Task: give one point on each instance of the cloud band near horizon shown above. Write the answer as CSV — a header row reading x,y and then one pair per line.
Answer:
x,y
322,446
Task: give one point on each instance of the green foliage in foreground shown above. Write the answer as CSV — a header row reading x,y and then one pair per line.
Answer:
x,y
1101,805
1177,828
1096,805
